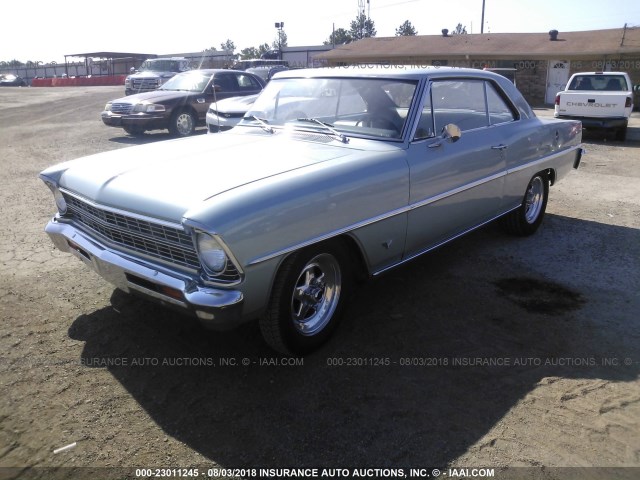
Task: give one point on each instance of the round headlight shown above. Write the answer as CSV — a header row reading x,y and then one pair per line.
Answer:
x,y
212,254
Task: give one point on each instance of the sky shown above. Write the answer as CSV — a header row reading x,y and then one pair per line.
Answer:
x,y
46,30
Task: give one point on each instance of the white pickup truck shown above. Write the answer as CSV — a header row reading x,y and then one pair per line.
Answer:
x,y
598,99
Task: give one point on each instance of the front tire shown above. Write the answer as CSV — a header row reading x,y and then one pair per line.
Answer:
x,y
307,299
183,123
527,218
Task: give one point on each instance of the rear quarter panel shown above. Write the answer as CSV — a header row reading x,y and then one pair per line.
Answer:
x,y
539,144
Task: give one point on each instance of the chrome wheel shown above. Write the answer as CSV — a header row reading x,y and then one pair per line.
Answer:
x,y
526,219
316,294
308,297
184,124
534,200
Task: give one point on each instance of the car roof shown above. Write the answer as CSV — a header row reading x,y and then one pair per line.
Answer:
x,y
402,72
390,71
211,71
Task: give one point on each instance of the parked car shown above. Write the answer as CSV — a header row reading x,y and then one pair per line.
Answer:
x,y
333,175
600,100
11,80
266,72
226,114
153,73
180,104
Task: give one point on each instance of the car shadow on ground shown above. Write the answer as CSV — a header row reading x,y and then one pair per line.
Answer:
x,y
601,136
424,365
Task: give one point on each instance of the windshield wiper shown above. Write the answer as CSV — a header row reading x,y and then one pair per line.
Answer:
x,y
343,138
264,124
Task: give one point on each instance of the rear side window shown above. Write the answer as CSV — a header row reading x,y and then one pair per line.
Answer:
x,y
226,82
499,110
468,103
247,82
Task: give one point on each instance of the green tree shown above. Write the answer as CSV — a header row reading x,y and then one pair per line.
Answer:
x,y
262,49
254,52
459,30
362,27
228,46
406,30
280,41
16,63
338,37
247,53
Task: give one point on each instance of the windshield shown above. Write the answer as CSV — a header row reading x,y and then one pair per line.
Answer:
x,y
188,82
352,106
160,66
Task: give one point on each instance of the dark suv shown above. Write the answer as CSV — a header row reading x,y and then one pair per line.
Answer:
x,y
180,104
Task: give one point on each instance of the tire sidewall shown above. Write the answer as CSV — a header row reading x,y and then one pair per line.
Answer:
x,y
174,123
531,227
295,342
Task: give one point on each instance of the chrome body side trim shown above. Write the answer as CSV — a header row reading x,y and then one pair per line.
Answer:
x,y
455,191
433,247
413,206
543,159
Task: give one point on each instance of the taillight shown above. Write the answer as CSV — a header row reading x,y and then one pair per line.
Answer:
x,y
628,103
558,99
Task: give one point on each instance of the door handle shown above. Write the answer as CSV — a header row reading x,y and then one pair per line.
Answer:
x,y
502,146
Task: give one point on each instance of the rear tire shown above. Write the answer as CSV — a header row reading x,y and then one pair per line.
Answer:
x,y
307,299
525,220
621,134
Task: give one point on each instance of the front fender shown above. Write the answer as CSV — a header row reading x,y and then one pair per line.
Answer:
x,y
273,216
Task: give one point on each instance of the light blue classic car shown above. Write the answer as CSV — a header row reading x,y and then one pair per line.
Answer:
x,y
334,174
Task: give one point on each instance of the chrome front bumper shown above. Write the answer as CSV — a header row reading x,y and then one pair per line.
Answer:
x,y
215,308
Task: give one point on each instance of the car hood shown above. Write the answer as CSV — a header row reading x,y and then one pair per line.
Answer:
x,y
235,104
154,96
153,74
163,180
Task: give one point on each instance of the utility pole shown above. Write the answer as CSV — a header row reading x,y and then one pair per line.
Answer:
x,y
482,22
279,26
361,8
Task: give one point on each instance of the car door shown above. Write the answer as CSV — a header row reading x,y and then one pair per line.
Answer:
x,y
456,185
247,84
224,85
200,101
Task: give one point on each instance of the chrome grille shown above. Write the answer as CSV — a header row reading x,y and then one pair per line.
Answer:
x,y
121,108
169,244
228,114
146,84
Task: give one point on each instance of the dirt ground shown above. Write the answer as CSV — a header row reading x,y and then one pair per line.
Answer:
x,y
493,352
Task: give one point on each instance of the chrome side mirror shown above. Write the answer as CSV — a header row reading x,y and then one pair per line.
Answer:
x,y
451,132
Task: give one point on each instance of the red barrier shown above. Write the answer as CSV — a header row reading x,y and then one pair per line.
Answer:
x,y
42,82
79,81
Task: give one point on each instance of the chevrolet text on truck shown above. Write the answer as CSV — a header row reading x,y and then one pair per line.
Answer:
x,y
598,99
